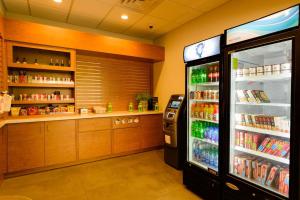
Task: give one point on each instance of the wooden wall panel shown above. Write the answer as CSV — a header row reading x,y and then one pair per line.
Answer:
x,y
61,37
100,80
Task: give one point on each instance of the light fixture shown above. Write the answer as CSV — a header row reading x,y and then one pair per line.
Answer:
x,y
58,1
124,17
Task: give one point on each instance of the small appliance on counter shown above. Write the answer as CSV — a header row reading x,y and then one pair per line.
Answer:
x,y
174,127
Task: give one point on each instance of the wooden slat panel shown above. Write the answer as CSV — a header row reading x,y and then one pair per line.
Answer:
x,y
100,80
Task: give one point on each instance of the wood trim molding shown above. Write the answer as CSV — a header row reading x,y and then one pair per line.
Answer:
x,y
22,31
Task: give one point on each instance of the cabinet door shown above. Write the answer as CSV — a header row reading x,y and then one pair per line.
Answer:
x,y
60,142
25,148
93,144
152,131
126,139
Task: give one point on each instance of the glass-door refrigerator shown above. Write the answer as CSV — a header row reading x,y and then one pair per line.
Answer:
x,y
261,62
203,78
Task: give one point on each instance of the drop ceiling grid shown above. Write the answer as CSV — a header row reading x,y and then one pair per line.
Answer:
x,y
164,15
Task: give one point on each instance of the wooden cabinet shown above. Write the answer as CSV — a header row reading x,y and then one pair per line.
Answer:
x,y
60,142
25,146
96,124
152,131
93,144
126,139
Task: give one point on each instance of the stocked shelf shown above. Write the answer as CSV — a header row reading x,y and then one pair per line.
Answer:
x,y
40,67
207,141
43,102
264,104
205,120
207,84
48,85
263,78
205,101
263,155
263,131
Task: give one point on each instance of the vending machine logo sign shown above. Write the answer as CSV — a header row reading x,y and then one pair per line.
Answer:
x,y
202,49
283,20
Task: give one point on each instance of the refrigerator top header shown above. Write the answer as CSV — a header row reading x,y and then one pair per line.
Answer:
x,y
203,49
279,21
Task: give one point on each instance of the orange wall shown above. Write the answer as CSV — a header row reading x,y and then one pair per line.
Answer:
x,y
169,75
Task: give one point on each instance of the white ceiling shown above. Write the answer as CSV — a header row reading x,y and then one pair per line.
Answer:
x,y
163,15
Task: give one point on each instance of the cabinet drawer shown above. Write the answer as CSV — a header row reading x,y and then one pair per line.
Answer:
x,y
94,124
25,131
93,144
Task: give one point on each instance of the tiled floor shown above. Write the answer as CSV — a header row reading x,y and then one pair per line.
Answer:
x,y
142,176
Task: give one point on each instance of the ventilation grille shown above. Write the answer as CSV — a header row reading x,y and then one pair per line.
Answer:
x,y
140,5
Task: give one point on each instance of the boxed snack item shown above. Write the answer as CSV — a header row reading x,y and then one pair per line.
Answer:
x,y
251,97
252,71
241,96
286,68
276,69
263,145
245,72
260,70
283,182
268,70
273,176
264,172
264,97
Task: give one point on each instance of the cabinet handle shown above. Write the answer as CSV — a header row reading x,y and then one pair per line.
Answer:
x,y
232,186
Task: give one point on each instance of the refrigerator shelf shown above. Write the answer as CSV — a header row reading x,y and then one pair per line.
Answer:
x,y
203,165
280,77
263,155
205,101
207,84
207,141
263,131
264,104
258,183
204,120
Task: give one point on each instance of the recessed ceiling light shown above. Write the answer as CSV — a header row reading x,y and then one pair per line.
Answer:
x,y
58,1
124,17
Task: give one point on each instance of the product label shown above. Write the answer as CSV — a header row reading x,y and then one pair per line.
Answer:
x,y
235,63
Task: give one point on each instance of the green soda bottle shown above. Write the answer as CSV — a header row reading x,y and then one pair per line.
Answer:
x,y
130,107
204,75
201,130
109,107
193,129
193,77
198,76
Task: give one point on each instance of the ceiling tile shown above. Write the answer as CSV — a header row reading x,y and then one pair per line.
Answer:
x,y
203,5
18,6
113,21
88,13
49,9
169,10
141,28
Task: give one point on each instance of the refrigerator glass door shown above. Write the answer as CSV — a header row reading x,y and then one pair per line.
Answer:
x,y
203,116
260,115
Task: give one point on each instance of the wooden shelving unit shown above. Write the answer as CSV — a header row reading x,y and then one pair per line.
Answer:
x,y
40,67
44,55
42,102
41,85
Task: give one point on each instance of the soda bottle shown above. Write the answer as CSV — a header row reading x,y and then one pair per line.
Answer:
x,y
193,110
193,77
193,129
201,111
204,75
201,130
216,158
198,76
210,74
217,75
205,111
212,156
211,112
216,113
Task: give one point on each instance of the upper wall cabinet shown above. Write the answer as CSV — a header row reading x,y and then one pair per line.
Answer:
x,y
29,56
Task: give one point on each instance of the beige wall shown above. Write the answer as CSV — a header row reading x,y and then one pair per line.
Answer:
x,y
169,75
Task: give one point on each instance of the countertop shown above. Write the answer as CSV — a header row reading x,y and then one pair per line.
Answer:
x,y
26,119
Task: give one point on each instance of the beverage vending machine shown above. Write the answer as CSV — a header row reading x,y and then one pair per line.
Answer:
x,y
201,172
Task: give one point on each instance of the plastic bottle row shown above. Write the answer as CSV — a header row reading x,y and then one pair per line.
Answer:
x,y
205,111
205,153
205,74
205,130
